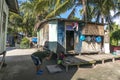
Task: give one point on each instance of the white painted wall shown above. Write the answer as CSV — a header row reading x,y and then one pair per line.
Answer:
x,y
53,36
107,47
41,37
3,9
107,42
52,32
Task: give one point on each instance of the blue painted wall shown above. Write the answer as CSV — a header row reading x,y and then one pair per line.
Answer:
x,y
78,46
61,36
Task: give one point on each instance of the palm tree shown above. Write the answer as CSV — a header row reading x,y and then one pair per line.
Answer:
x,y
27,13
26,20
52,8
15,21
95,9
103,8
87,11
117,10
84,3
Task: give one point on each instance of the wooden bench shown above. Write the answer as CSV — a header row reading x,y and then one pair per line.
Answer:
x,y
77,61
101,57
87,59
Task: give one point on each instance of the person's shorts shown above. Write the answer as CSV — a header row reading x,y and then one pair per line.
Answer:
x,y
36,60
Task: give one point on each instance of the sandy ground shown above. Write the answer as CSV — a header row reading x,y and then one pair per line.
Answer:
x,y
20,67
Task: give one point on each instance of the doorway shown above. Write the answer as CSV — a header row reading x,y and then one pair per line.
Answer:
x,y
69,40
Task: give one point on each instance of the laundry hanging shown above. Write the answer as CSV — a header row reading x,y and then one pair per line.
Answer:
x,y
75,26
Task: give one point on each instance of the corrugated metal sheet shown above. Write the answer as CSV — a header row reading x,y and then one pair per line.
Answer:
x,y
13,5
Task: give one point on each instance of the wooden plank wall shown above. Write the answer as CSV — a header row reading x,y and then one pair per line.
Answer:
x,y
93,29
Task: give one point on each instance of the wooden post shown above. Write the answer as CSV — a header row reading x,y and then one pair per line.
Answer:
x,y
78,66
113,60
103,61
93,65
66,68
3,59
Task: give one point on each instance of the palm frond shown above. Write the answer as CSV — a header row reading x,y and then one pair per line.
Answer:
x,y
57,3
116,15
72,12
60,9
42,5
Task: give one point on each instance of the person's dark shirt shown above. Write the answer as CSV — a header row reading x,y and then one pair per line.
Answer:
x,y
41,54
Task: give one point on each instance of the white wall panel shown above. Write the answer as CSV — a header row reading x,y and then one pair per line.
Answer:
x,y
52,32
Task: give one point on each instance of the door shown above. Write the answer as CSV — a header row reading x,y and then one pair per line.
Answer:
x,y
69,40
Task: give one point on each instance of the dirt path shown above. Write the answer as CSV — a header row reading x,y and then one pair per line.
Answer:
x,y
20,67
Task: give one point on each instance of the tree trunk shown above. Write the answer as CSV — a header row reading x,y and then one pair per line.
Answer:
x,y
84,10
72,12
102,19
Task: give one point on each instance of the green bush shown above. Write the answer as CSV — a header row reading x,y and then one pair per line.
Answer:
x,y
115,37
24,43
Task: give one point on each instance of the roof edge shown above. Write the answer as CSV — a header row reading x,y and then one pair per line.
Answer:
x,y
13,6
63,19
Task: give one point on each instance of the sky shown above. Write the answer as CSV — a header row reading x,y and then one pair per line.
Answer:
x,y
117,20
20,1
77,14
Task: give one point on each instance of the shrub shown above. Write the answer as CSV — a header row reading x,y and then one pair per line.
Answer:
x,y
24,43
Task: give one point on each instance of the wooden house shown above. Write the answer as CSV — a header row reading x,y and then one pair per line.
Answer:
x,y
5,7
70,36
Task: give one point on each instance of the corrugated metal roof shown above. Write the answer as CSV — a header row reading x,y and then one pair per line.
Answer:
x,y
13,5
40,23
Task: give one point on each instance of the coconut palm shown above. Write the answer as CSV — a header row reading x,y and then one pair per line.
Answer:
x,y
15,21
52,8
99,9
27,13
45,9
88,15
103,8
117,10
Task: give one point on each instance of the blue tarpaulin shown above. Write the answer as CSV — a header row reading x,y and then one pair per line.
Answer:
x,y
34,40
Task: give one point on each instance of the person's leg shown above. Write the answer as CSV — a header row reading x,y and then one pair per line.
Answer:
x,y
37,62
39,71
38,67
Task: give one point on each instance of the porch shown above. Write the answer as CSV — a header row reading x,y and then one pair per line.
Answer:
x,y
79,60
